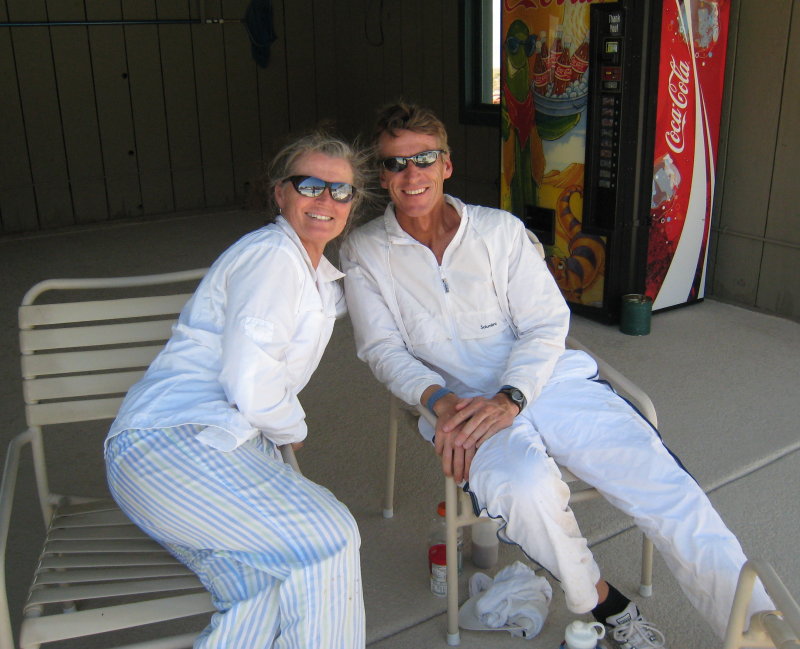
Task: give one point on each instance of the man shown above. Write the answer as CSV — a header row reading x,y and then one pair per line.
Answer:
x,y
454,309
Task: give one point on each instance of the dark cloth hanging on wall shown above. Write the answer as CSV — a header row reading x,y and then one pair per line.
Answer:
x,y
259,25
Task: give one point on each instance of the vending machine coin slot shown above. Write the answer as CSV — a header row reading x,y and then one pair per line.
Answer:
x,y
542,222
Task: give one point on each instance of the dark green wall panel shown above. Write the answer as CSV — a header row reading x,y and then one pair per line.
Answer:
x,y
212,111
40,110
273,99
114,109
73,66
245,125
180,100
17,199
148,110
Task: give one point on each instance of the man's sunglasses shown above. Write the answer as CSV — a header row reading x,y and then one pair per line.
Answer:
x,y
312,187
422,159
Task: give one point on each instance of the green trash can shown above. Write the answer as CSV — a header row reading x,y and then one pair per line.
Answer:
x,y
635,314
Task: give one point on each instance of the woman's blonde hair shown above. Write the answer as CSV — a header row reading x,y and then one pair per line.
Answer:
x,y
324,142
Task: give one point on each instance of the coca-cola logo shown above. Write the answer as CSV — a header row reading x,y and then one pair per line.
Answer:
x,y
678,84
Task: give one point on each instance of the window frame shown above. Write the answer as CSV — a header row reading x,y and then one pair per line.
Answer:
x,y
474,51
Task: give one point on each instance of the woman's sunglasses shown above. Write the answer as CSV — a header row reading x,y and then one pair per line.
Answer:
x,y
312,187
422,159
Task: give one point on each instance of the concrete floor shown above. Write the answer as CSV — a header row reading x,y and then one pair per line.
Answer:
x,y
724,381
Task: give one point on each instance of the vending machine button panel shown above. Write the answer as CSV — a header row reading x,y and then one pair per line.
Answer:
x,y
607,49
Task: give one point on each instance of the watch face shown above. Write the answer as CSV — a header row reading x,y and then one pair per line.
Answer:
x,y
516,396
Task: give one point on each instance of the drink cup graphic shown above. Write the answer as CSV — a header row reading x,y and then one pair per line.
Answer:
x,y
702,17
666,180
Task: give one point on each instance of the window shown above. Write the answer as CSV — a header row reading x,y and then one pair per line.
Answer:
x,y
480,61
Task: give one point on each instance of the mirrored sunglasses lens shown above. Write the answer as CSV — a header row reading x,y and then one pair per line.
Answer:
x,y
426,158
395,164
342,192
311,187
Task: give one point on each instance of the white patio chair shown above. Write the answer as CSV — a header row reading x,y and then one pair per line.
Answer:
x,y
459,512
780,628
83,345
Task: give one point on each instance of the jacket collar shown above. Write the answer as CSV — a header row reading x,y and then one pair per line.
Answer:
x,y
325,271
397,235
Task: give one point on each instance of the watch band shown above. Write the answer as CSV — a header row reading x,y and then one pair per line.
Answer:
x,y
431,402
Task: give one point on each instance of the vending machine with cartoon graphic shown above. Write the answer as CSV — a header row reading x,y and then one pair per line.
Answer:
x,y
610,119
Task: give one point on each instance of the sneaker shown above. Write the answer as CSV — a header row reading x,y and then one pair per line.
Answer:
x,y
632,631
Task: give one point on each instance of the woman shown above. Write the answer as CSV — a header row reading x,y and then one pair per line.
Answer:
x,y
192,456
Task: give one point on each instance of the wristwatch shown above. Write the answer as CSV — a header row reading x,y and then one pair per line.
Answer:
x,y
516,396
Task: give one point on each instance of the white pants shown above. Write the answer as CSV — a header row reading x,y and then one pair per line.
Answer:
x,y
278,553
586,427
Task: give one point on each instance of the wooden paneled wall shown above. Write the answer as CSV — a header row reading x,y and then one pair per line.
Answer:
x,y
756,228
104,122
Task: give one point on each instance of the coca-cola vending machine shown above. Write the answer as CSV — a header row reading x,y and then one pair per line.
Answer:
x,y
610,125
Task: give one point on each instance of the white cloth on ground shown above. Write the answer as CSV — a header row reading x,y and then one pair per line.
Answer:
x,y
517,600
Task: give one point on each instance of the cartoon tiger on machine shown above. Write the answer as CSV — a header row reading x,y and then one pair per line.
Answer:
x,y
578,267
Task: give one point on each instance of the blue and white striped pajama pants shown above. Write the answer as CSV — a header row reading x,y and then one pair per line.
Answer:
x,y
279,553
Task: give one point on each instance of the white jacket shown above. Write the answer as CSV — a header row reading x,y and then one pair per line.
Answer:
x,y
244,345
490,315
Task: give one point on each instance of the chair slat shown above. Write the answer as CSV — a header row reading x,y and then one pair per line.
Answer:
x,y
78,547
38,315
107,560
94,336
88,360
110,516
96,505
109,533
65,412
37,630
113,589
86,385
81,575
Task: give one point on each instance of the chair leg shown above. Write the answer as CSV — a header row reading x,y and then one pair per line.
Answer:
x,y
391,458
451,517
458,514
646,585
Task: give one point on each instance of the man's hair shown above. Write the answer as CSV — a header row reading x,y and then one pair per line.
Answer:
x,y
410,117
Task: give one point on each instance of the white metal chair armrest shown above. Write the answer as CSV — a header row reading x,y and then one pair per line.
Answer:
x,y
621,383
111,282
779,629
7,491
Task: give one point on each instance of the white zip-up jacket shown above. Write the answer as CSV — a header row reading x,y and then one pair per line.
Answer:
x,y
490,315
244,345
